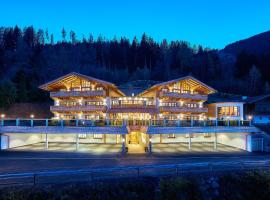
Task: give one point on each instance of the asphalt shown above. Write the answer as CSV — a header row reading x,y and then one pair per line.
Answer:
x,y
30,161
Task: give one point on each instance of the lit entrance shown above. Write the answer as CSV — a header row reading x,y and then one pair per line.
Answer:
x,y
134,138
136,142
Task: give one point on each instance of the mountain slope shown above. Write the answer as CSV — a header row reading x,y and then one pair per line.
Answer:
x,y
257,44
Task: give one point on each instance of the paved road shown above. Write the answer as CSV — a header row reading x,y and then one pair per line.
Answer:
x,y
22,161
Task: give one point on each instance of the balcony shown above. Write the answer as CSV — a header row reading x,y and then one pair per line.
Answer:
x,y
91,108
178,95
91,93
182,109
133,108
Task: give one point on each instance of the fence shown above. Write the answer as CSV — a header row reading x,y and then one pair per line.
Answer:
x,y
83,175
117,122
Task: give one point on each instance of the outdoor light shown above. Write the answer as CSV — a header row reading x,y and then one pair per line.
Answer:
x,y
123,140
3,115
57,102
80,101
32,116
250,117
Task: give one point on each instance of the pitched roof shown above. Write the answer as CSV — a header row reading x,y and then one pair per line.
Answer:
x,y
191,79
71,75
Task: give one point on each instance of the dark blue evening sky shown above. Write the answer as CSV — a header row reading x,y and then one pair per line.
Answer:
x,y
212,23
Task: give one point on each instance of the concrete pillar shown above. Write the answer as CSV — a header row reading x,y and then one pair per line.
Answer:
x,y
77,142
189,141
46,141
123,144
215,141
150,144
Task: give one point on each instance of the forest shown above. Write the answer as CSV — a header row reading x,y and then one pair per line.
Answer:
x,y
29,57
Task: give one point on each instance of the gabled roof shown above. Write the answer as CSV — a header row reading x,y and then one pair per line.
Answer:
x,y
190,79
71,76
257,98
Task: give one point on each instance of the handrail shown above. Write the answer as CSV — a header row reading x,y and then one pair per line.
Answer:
x,y
138,171
119,122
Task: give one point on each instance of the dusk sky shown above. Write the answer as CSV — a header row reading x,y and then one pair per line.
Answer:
x,y
210,23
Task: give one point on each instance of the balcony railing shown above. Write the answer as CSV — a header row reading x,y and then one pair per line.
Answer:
x,y
78,93
78,108
120,122
184,95
182,109
132,106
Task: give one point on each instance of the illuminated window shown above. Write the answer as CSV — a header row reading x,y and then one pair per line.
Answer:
x,y
228,111
97,136
99,88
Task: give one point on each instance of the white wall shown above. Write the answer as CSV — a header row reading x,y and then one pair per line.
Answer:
x,y
237,140
21,139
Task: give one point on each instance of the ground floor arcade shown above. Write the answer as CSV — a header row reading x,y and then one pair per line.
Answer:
x,y
134,142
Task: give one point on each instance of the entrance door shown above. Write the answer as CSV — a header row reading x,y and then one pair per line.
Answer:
x,y
133,138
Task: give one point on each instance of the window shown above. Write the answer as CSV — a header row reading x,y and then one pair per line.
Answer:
x,y
99,88
171,135
97,136
94,103
229,111
76,89
191,105
82,135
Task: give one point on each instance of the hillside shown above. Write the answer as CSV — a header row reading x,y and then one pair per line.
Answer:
x,y
257,45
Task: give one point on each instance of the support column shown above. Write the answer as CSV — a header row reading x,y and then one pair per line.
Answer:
x,y
123,144
150,144
215,141
46,141
189,142
77,142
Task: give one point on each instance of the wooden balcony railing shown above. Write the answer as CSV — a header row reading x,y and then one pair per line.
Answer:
x,y
78,93
182,109
78,108
184,95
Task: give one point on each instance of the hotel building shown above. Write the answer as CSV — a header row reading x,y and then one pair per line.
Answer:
x,y
92,111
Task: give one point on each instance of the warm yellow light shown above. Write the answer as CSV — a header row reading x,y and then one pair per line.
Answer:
x,y
250,117
57,103
123,140
32,116
3,115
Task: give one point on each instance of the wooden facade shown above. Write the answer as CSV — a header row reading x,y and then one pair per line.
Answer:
x,y
77,96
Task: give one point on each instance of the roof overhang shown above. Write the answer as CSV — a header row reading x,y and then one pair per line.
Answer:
x,y
191,80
